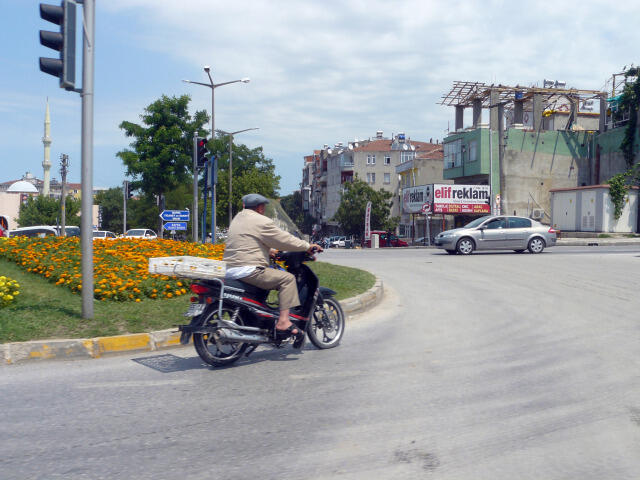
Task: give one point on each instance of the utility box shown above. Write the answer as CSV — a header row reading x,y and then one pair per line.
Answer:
x,y
589,209
375,240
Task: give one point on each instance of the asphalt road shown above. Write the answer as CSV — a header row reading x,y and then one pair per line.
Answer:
x,y
493,366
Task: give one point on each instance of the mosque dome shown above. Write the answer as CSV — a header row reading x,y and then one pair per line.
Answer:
x,y
22,186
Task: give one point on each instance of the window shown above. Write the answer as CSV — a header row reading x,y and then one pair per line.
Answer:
x,y
387,178
371,178
371,159
497,223
387,160
407,156
473,151
453,154
519,223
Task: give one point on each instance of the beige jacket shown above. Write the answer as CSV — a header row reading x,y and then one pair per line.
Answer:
x,y
250,237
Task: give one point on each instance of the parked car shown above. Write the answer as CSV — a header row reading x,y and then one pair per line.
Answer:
x,y
144,233
39,231
337,242
45,230
69,230
103,235
494,232
386,240
4,226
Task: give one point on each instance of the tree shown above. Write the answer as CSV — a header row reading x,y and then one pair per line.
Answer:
x,y
353,205
43,210
292,205
252,173
161,155
111,202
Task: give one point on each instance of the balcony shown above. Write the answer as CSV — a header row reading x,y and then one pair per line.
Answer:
x,y
403,167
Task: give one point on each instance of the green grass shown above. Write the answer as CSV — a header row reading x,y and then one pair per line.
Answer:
x,y
44,311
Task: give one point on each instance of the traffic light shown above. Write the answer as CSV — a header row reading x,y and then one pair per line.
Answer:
x,y
128,191
202,152
63,41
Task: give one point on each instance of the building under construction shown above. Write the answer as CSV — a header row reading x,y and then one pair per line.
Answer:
x,y
536,139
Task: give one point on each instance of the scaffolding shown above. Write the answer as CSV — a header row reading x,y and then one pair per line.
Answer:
x,y
466,94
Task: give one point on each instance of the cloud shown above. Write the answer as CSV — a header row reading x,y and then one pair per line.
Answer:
x,y
323,72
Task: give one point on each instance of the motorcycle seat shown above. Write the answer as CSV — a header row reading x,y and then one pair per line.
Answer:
x,y
251,290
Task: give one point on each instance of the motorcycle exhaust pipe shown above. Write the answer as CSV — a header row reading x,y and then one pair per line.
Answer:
x,y
237,336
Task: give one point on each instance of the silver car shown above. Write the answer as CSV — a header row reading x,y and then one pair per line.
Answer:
x,y
497,232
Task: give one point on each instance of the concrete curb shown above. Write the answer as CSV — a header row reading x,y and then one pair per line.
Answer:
x,y
594,242
68,349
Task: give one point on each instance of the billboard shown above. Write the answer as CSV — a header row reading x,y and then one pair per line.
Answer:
x,y
414,197
461,199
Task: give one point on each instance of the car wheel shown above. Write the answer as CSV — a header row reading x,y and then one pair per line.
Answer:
x,y
519,250
465,246
536,245
451,252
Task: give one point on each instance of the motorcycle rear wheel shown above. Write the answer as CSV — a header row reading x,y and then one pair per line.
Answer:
x,y
327,325
225,353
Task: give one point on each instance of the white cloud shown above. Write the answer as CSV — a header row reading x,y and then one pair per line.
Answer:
x,y
324,72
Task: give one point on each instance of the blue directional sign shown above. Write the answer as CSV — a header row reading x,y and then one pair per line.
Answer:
x,y
175,215
175,226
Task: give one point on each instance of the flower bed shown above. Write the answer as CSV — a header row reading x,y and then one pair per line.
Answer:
x,y
9,288
120,266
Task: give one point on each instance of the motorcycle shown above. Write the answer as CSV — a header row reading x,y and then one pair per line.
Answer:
x,y
230,318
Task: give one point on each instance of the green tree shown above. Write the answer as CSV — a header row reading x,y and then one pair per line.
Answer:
x,y
292,205
353,205
43,210
111,202
252,173
160,158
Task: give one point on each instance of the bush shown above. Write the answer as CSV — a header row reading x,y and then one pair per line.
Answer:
x,y
8,290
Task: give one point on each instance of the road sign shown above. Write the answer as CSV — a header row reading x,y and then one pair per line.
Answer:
x,y
426,207
175,226
175,215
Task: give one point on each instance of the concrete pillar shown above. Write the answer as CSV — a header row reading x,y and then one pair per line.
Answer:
x,y
494,98
603,114
518,111
459,117
477,112
503,191
537,111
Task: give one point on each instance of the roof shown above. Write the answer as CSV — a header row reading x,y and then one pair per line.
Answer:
x,y
436,153
385,146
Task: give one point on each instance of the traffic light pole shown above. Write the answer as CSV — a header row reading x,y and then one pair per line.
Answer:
x,y
195,219
125,197
86,230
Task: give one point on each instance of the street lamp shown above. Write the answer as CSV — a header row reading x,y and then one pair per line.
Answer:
x,y
231,134
212,86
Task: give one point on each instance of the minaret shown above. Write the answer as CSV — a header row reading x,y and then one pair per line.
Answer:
x,y
46,141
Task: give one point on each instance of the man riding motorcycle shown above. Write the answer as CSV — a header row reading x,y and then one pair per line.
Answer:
x,y
250,239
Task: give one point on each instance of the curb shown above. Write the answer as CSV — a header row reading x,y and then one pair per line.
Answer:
x,y
67,349
595,242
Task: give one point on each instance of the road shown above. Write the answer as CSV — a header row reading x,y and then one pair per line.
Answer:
x,y
492,366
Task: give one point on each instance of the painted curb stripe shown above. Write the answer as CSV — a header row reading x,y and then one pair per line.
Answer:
x,y
96,347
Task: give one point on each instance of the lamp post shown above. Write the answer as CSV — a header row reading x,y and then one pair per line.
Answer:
x,y
231,134
212,86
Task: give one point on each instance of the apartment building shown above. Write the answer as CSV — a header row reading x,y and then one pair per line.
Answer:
x,y
373,160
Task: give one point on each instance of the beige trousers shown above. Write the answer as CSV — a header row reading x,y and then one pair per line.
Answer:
x,y
272,279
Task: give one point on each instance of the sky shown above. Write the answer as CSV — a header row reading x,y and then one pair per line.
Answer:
x,y
321,72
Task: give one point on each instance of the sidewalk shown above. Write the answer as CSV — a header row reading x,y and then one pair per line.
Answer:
x,y
68,349
583,239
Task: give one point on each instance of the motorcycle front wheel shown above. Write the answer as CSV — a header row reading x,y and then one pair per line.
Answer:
x,y
327,325
218,353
